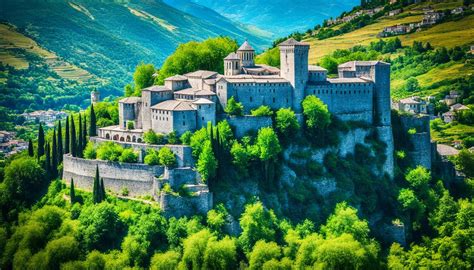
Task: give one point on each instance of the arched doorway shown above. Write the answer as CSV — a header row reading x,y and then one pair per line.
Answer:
x,y
107,136
116,137
128,138
134,139
122,139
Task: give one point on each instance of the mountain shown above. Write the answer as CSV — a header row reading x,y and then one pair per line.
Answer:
x,y
109,38
279,17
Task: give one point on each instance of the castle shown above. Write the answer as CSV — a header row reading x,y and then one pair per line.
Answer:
x,y
188,102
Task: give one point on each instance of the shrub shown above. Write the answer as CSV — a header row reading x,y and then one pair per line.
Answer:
x,y
286,122
316,113
167,157
152,157
130,125
109,151
262,111
151,137
124,191
233,107
128,156
90,152
186,137
173,138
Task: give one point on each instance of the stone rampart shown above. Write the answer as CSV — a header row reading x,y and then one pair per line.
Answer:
x,y
178,206
139,179
183,153
245,124
421,153
181,176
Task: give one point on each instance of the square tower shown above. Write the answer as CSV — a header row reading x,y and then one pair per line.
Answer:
x,y
294,68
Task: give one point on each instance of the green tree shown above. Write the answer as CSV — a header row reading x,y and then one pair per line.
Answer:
x,y
167,157
41,142
61,250
84,134
90,151
240,157
92,123
73,140
263,252
316,113
220,254
72,192
67,143
151,137
197,141
96,191
262,111
128,156
54,157
128,90
257,223
152,157
465,162
207,163
286,122
31,151
345,220
103,194
233,107
412,85
165,261
109,151
24,179
60,143
194,248
80,140
186,137
191,56
100,227
173,138
268,148
143,77
47,161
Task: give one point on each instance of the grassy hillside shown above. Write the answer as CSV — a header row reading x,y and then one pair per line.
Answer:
x,y
104,38
447,34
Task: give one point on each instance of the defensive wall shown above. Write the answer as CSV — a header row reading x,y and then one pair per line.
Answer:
x,y
139,179
242,125
348,101
421,140
183,153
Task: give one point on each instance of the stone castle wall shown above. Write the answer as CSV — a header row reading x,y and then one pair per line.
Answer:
x,y
421,141
183,154
139,179
245,124
348,101
178,206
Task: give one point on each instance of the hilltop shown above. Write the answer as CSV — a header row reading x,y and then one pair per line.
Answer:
x,y
83,41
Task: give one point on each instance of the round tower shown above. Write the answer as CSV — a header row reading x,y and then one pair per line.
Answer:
x,y
232,65
246,54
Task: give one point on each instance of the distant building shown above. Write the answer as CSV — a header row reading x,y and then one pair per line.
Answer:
x,y
458,11
48,117
394,12
9,145
452,98
400,29
413,105
431,18
450,116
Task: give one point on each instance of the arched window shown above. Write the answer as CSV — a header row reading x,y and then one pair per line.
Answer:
x,y
107,136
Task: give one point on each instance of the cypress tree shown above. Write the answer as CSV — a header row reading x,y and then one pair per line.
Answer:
x,y
60,143
66,139
72,193
102,189
47,161
96,187
80,140
92,123
84,134
54,157
31,151
73,138
40,150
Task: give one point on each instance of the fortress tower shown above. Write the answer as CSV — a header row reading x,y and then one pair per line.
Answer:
x,y
232,65
294,68
246,54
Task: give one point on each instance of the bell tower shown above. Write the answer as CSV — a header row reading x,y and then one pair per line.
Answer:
x,y
246,54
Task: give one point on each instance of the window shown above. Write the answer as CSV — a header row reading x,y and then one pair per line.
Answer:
x,y
251,99
202,118
184,123
273,100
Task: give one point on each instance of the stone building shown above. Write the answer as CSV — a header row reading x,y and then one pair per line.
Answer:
x,y
189,101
